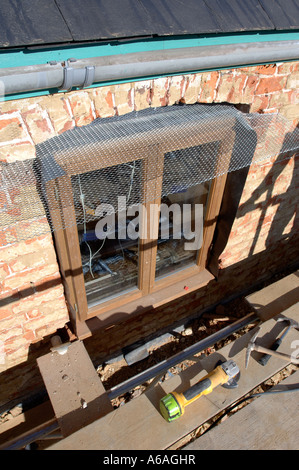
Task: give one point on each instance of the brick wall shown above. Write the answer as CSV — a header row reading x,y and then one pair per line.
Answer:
x,y
32,299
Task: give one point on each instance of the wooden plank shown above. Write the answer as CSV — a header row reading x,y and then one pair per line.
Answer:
x,y
13,430
75,390
268,423
129,427
276,297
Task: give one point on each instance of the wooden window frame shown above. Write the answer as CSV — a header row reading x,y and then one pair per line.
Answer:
x,y
149,292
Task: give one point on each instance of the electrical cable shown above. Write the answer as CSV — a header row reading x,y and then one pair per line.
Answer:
x,y
91,254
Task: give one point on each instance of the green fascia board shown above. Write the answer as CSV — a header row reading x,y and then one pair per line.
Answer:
x,y
40,55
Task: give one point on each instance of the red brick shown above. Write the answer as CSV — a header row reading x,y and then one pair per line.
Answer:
x,y
49,282
160,92
5,313
34,260
259,104
11,128
29,335
8,236
81,107
35,322
208,87
249,89
34,313
38,123
31,303
9,295
277,100
142,95
193,86
59,112
176,87
43,331
287,67
121,99
270,85
21,279
269,69
3,200
103,100
230,88
109,99
16,342
246,69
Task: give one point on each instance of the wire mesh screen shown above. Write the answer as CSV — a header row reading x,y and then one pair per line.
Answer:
x,y
122,159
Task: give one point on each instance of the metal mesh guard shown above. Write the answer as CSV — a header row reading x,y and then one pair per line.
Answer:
x,y
125,156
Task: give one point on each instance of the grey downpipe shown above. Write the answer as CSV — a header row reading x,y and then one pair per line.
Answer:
x,y
84,72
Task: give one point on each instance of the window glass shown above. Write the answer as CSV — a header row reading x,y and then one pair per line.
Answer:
x,y
183,207
181,228
109,256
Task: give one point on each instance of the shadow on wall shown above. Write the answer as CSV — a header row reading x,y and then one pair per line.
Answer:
x,y
287,204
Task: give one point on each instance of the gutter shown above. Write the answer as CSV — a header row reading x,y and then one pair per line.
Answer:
x,y
95,71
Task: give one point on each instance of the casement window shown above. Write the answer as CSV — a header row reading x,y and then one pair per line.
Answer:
x,y
139,253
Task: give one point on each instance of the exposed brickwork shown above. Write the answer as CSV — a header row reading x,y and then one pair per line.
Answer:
x,y
31,295
30,284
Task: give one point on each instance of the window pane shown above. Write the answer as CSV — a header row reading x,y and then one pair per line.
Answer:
x,y
179,248
183,207
109,256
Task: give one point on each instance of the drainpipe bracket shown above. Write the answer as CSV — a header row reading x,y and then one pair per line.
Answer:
x,y
89,76
78,77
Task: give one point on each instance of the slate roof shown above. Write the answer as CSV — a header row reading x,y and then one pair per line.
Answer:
x,y
41,22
